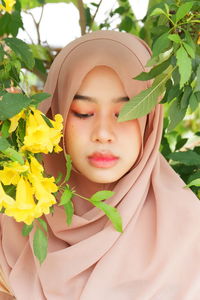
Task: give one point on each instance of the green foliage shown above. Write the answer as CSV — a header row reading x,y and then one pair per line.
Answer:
x,y
40,244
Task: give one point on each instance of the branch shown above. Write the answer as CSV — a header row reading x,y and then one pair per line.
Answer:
x,y
94,16
82,20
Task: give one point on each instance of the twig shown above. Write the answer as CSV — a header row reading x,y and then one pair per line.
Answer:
x,y
82,20
94,16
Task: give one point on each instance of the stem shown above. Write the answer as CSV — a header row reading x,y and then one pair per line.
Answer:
x,y
82,20
75,194
94,16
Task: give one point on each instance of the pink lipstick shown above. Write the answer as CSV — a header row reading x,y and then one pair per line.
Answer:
x,y
103,160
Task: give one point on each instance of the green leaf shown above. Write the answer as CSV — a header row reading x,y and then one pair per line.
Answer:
x,y
40,52
26,229
58,178
186,97
5,128
189,50
4,144
47,120
111,213
189,158
153,72
175,38
195,182
184,64
37,98
40,245
101,195
68,166
13,155
126,24
143,103
176,114
11,104
180,143
183,10
161,44
69,210
197,87
22,50
66,196
157,11
43,224
1,53
193,102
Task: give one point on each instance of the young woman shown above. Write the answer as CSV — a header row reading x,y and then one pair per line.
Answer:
x,y
158,254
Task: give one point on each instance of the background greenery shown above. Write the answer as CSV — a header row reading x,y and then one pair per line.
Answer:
x,y
171,28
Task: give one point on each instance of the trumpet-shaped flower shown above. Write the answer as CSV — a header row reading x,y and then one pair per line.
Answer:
x,y
8,5
35,167
5,200
43,189
15,120
11,173
41,138
24,208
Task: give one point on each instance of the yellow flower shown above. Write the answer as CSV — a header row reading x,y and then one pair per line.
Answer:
x,y
5,200
11,173
35,167
15,120
9,5
42,190
24,208
40,138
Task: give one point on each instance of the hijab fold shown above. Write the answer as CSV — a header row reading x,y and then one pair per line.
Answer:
x,y
157,257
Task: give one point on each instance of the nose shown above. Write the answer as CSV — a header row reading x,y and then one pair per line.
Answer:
x,y
103,132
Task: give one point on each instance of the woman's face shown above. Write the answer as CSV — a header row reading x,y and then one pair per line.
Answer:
x,y
102,149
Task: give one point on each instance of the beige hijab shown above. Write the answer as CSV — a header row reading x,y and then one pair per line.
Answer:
x,y
157,257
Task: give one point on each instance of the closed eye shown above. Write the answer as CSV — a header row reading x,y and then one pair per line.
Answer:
x,y
81,116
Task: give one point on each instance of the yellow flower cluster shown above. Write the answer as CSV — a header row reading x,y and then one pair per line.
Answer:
x,y
40,137
8,5
33,191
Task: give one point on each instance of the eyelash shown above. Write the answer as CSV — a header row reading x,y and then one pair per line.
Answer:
x,y
85,116
82,116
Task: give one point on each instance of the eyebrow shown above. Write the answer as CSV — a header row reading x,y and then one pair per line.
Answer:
x,y
90,99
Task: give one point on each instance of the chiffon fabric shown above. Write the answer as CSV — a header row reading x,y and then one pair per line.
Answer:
x,y
157,257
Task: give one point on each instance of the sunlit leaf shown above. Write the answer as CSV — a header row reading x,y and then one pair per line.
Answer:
x,y
40,245
176,114
161,44
154,72
13,155
195,182
37,98
189,158
101,195
197,87
175,38
22,50
68,166
183,10
184,64
189,50
143,103
69,210
111,213
11,104
4,144
66,196
26,229
43,224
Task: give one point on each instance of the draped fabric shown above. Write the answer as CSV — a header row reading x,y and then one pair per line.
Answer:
x,y
157,257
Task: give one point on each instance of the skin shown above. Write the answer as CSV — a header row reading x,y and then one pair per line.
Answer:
x,y
92,127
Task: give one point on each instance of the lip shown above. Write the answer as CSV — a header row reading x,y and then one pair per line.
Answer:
x,y
103,160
